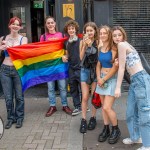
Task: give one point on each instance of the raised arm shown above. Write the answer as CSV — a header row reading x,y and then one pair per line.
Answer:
x,y
122,48
82,49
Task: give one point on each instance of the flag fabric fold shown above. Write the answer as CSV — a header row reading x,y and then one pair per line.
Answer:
x,y
39,62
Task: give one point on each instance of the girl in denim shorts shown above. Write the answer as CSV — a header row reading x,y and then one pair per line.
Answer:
x,y
89,57
106,83
138,103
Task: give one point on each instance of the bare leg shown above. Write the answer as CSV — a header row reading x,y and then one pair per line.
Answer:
x,y
107,107
85,97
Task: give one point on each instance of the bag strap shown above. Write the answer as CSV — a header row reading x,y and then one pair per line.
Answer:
x,y
44,37
21,40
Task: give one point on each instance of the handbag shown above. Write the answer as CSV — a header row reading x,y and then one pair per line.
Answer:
x,y
96,101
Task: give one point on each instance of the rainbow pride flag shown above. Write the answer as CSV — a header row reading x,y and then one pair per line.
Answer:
x,y
39,62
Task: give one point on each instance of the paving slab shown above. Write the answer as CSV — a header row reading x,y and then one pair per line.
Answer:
x,y
58,132
90,139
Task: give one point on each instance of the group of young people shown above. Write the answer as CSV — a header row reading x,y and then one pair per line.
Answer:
x,y
96,63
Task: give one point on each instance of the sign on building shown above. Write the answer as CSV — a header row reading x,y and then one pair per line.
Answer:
x,y
68,11
37,4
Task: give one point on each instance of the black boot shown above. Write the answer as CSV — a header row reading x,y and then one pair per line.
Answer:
x,y
92,123
105,134
114,136
83,126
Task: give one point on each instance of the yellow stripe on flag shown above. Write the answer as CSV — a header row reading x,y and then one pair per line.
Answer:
x,y
20,63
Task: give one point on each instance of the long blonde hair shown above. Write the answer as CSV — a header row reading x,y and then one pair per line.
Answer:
x,y
108,30
110,45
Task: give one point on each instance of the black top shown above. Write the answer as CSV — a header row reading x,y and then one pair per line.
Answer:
x,y
91,56
74,53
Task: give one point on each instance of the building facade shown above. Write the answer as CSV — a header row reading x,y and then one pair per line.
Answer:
x,y
133,15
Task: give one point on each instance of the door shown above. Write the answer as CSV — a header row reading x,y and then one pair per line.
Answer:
x,y
37,20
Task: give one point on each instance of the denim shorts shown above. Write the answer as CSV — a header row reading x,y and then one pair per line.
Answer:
x,y
84,75
109,86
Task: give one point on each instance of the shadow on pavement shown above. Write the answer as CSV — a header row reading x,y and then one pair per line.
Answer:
x,y
90,139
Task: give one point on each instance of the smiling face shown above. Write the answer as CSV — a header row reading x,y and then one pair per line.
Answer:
x,y
71,30
103,35
50,24
117,36
15,26
90,32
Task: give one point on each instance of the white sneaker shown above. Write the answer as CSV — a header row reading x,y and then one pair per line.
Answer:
x,y
88,109
76,111
129,141
144,148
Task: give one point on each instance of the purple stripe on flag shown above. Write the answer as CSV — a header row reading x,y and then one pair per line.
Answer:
x,y
43,79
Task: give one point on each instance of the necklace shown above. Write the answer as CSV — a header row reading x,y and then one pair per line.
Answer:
x,y
12,41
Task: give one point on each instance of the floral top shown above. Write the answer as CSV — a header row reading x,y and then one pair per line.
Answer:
x,y
132,58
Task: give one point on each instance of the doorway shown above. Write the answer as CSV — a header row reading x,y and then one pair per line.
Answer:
x,y
51,8
37,20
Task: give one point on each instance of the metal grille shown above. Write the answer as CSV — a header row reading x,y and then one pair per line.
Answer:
x,y
134,16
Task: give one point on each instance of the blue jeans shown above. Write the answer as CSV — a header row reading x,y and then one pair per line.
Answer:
x,y
138,108
62,85
11,85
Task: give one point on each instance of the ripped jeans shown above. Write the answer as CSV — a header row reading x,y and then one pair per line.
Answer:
x,y
138,108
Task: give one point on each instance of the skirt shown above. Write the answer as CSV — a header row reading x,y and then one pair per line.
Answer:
x,y
109,86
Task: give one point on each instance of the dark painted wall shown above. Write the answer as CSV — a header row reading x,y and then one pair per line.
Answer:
x,y
78,12
4,17
103,12
5,7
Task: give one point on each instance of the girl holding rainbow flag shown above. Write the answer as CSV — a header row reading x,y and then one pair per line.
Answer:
x,y
10,79
52,34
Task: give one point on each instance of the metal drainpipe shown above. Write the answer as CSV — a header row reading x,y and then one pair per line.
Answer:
x,y
45,8
89,9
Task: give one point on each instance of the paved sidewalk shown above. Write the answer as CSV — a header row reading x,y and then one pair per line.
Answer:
x,y
58,132
90,139
38,132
